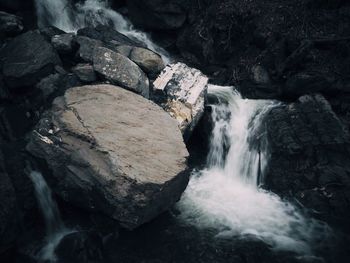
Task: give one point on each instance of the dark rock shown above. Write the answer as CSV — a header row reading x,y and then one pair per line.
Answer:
x,y
252,90
64,43
296,58
306,83
86,47
26,59
309,157
110,163
15,5
213,37
16,163
124,50
15,121
148,61
8,212
10,25
50,31
52,86
120,70
4,93
83,247
107,34
85,72
157,14
260,75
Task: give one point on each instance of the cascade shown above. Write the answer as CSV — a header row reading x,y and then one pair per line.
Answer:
x,y
70,18
226,196
55,229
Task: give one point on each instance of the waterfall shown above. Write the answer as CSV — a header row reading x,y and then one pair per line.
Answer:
x,y
225,195
69,18
55,229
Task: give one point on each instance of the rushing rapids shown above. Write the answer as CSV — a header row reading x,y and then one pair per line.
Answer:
x,y
225,195
69,18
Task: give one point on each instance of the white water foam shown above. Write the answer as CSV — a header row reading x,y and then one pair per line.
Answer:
x,y
225,196
63,15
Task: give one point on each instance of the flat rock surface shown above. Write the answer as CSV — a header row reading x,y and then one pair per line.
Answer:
x,y
108,153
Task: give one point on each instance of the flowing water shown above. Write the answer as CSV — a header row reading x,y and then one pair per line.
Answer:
x,y
55,229
225,195
69,18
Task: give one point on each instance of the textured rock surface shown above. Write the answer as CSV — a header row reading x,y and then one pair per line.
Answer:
x,y
26,59
184,89
120,70
147,60
108,155
85,72
10,24
86,47
64,43
310,156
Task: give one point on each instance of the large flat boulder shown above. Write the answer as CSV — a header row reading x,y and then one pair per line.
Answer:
x,y
108,154
120,70
184,90
309,156
26,59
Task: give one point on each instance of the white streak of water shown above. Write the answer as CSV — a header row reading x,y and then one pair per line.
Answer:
x,y
55,229
225,195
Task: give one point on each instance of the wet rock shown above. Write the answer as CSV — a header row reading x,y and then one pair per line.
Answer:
x,y
52,86
157,14
15,121
148,61
10,25
260,75
64,43
108,35
26,59
86,47
50,31
296,58
183,89
309,156
85,72
306,83
124,50
120,70
119,164
83,247
251,90
212,37
8,217
4,94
